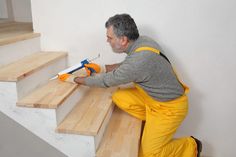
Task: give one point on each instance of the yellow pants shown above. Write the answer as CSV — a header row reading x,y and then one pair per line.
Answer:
x,y
162,120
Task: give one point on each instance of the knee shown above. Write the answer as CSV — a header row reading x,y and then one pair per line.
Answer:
x,y
121,99
116,94
117,97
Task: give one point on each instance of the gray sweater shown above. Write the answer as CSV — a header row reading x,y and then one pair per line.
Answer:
x,y
150,71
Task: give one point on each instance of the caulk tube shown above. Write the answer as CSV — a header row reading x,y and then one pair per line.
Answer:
x,y
79,67
72,69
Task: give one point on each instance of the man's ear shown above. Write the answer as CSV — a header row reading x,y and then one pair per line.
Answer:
x,y
124,40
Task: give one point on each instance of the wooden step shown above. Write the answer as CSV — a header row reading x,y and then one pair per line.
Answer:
x,y
5,23
27,65
5,20
11,32
12,52
87,116
51,95
16,36
122,136
14,26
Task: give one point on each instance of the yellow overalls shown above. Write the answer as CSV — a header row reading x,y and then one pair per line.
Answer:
x,y
162,120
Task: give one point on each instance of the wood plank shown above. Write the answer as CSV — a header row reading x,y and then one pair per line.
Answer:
x,y
16,36
27,65
16,26
51,95
89,113
122,136
6,23
11,32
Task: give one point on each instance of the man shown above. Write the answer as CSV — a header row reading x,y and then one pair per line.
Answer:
x,y
158,97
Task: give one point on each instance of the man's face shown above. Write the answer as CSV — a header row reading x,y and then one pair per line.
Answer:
x,y
114,41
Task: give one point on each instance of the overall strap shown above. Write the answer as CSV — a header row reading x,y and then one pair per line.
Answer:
x,y
146,48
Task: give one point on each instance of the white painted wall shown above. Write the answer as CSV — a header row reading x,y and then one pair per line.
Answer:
x,y
3,9
22,10
199,37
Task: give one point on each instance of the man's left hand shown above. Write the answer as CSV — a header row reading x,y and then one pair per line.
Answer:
x,y
67,78
71,78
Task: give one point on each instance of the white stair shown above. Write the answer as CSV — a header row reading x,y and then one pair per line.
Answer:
x,y
32,71
17,41
56,95
76,120
90,115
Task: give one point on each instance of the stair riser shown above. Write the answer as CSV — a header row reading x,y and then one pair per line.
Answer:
x,y
69,103
42,122
40,77
102,130
12,52
8,92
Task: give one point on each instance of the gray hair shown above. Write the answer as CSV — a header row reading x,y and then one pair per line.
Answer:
x,y
123,25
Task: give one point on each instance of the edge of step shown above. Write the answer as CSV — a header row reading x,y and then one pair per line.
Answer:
x,y
33,63
12,23
87,117
50,96
122,137
17,38
16,26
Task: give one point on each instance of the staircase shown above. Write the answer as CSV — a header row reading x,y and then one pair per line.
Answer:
x,y
77,120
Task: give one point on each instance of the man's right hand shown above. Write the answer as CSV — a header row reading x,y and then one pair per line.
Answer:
x,y
95,67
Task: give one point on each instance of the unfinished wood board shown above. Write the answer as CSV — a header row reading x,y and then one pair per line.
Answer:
x,y
29,64
8,24
88,115
122,136
11,32
16,36
51,95
16,26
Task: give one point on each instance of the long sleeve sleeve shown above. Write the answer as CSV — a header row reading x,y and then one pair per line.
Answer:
x,y
129,71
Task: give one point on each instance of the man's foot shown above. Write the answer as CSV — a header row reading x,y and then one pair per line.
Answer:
x,y
199,146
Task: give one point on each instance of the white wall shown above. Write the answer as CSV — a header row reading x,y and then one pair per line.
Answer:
x,y
3,9
22,10
199,37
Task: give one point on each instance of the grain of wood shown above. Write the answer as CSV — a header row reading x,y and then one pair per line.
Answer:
x,y
88,115
27,65
14,26
5,24
51,95
122,136
16,36
11,32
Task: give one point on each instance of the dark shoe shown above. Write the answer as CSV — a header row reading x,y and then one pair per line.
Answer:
x,y
199,146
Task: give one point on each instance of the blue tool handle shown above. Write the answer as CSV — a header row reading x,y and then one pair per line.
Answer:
x,y
82,62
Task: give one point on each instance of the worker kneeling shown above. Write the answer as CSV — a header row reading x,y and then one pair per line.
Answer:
x,y
158,97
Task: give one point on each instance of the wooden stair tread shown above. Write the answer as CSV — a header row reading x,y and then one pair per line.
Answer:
x,y
27,65
88,115
122,136
15,26
5,24
11,32
15,36
50,95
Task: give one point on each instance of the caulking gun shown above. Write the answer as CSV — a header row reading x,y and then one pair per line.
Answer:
x,y
76,67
